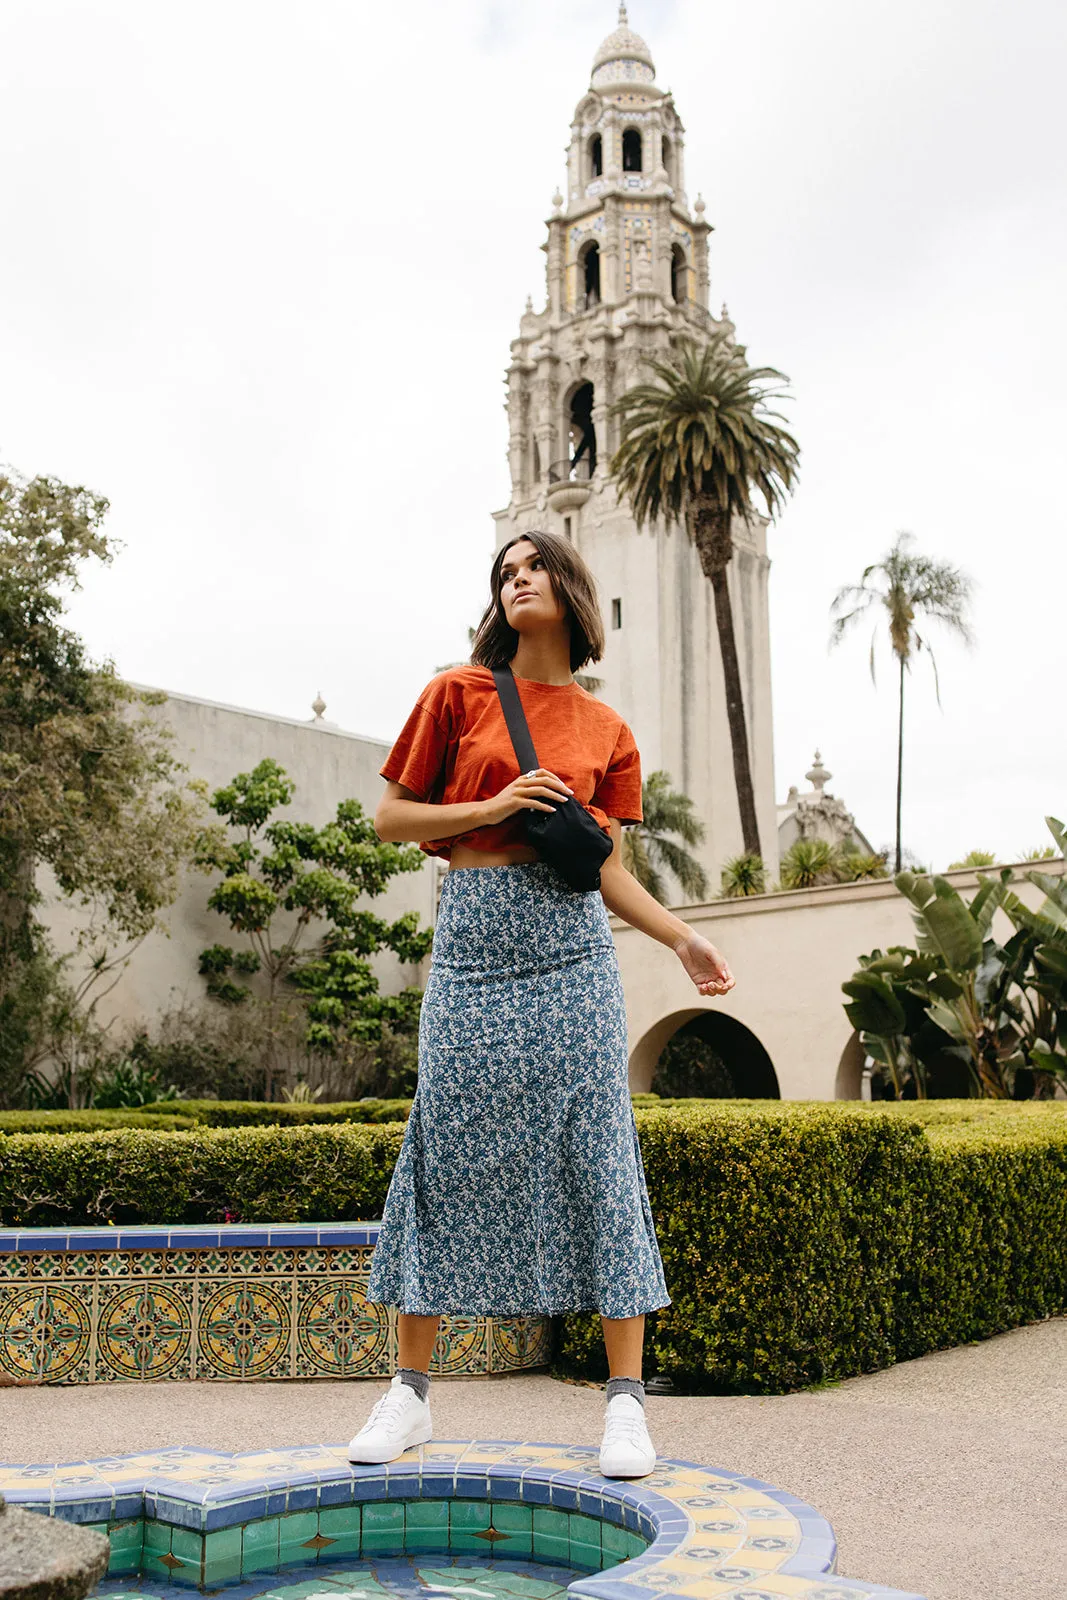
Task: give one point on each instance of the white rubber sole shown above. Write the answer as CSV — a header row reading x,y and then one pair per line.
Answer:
x,y
369,1458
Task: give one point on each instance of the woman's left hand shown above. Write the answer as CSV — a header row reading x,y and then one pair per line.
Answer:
x,y
705,965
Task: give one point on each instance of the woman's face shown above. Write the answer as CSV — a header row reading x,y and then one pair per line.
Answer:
x,y
526,591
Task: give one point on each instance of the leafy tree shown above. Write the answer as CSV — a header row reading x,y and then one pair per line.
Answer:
x,y
910,589
293,892
697,446
974,858
743,875
89,785
648,849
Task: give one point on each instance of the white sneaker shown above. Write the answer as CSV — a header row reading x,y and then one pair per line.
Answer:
x,y
626,1451
398,1421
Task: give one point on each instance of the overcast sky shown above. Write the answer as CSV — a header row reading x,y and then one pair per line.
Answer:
x,y
262,263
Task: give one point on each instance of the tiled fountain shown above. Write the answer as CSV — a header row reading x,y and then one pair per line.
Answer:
x,y
478,1520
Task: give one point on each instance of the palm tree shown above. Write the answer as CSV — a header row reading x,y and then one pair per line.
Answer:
x,y
909,587
647,847
697,445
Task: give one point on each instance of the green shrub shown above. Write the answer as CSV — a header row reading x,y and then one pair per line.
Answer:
x,y
198,1175
800,1242
90,1121
283,1113
803,1243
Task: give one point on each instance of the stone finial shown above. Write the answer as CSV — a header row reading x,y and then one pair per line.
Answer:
x,y
724,316
793,796
818,776
624,20
700,207
529,305
318,705
557,201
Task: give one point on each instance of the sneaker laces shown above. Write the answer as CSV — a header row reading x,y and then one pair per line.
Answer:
x,y
625,1426
388,1408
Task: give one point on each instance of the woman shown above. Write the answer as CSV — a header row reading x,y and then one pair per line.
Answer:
x,y
519,1186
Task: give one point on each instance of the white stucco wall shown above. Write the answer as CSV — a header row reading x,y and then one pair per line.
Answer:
x,y
790,954
217,742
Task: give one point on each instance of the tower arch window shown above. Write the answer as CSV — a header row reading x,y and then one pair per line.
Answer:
x,y
667,158
582,432
589,265
631,150
596,156
679,275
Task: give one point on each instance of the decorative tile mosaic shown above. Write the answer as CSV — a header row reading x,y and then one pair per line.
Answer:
x,y
226,1303
200,1518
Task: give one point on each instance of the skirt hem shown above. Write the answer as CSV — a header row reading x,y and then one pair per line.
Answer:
x,y
519,1311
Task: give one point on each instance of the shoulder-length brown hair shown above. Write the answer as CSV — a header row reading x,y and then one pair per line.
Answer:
x,y
495,641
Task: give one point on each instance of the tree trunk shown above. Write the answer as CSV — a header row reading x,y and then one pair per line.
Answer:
x,y
711,535
900,758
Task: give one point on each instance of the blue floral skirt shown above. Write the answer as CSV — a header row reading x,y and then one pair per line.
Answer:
x,y
519,1186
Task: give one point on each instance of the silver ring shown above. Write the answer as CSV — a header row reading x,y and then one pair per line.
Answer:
x,y
531,774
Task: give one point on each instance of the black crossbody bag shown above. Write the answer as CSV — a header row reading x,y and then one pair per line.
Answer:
x,y
567,837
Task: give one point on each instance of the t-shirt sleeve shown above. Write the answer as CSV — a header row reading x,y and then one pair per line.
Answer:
x,y
417,758
618,794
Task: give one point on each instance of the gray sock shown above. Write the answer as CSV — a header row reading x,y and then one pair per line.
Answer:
x,y
634,1386
419,1381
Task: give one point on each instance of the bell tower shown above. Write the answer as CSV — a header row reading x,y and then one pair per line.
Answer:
x,y
627,278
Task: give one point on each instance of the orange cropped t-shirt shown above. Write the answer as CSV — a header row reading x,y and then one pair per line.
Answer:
x,y
455,747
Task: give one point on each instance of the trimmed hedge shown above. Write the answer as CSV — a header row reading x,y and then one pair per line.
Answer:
x,y
283,1113
206,1114
801,1242
200,1175
88,1121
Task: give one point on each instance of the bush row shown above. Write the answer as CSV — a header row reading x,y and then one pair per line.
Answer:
x,y
800,1242
222,1114
206,1114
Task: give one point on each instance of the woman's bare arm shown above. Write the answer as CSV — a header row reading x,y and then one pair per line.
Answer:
x,y
402,817
623,895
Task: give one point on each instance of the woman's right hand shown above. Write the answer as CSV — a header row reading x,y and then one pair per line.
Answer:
x,y
531,791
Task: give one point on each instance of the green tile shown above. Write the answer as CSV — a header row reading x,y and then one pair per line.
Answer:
x,y
428,1539
547,1547
124,1564
556,1524
424,1516
586,1556
95,1527
586,1530
126,1535
222,1555
637,1545
188,1545
259,1545
157,1538
380,1516
512,1519
295,1528
614,1542
469,1516
342,1525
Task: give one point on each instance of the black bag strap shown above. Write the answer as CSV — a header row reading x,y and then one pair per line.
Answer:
x,y
515,717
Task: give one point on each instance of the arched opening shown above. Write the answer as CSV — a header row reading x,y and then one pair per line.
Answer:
x,y
667,157
852,1083
536,463
631,150
703,1054
582,432
590,268
679,275
596,156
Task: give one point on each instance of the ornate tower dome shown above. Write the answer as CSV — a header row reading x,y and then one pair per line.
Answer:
x,y
624,57
628,279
